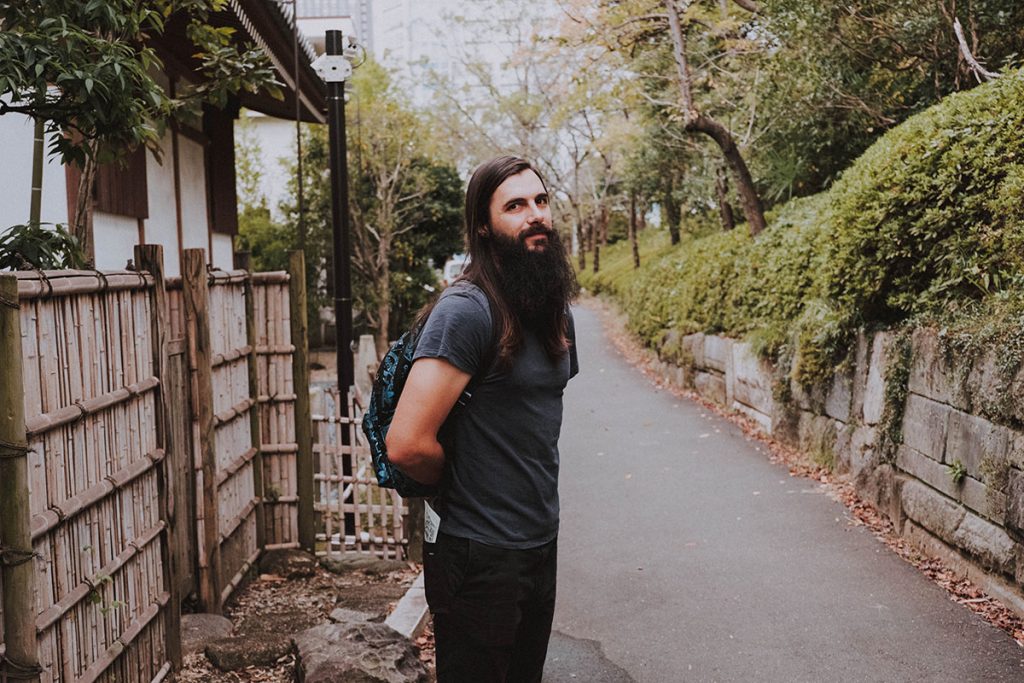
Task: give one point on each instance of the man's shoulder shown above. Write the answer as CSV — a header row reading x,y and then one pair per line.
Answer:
x,y
466,298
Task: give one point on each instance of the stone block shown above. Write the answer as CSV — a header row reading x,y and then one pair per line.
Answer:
x,y
985,392
986,501
986,542
717,352
840,397
862,449
1015,501
921,467
932,510
710,385
878,485
972,439
862,361
1016,390
809,398
288,563
843,447
817,434
764,422
752,385
926,425
874,388
693,344
931,373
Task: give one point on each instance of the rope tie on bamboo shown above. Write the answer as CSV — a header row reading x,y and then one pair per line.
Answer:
x,y
9,303
18,671
102,277
10,449
84,412
12,557
49,285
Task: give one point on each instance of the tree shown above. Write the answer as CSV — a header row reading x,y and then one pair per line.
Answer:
x,y
86,72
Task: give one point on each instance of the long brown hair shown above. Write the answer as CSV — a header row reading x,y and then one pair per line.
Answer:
x,y
483,269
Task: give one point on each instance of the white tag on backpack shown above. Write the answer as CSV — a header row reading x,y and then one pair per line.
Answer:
x,y
431,523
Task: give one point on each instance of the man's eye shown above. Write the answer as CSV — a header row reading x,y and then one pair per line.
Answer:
x,y
513,205
542,201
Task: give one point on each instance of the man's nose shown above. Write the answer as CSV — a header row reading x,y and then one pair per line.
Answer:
x,y
535,212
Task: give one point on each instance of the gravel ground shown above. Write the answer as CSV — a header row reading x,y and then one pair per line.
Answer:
x,y
273,603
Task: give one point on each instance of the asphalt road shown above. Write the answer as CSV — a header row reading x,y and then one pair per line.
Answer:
x,y
685,555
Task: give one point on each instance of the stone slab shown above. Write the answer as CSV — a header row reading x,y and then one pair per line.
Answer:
x,y
986,542
411,613
931,373
764,422
357,652
752,384
840,397
921,467
862,361
1015,501
239,652
874,389
717,352
693,344
932,510
711,386
198,630
862,449
986,501
925,426
972,440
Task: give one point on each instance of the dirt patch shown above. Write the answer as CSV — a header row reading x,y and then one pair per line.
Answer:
x,y
270,603
862,513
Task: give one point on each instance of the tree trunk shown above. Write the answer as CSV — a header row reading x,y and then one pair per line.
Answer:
x,y
753,210
82,227
722,193
383,320
671,206
581,244
632,229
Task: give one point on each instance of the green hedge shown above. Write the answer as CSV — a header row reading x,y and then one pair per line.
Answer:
x,y
930,217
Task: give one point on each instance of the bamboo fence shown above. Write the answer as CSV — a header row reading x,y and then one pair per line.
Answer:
x,y
95,494
279,448
378,516
140,397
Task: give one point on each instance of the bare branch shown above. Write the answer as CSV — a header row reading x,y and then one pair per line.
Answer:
x,y
749,5
980,72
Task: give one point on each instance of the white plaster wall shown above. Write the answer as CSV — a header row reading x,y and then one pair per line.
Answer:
x,y
276,139
162,224
115,238
195,222
223,252
16,132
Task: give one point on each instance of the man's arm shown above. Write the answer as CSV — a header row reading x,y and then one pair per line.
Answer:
x,y
430,391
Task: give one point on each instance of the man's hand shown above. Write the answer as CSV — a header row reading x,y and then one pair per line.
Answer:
x,y
430,391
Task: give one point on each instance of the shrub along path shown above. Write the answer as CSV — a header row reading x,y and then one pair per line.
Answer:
x,y
688,555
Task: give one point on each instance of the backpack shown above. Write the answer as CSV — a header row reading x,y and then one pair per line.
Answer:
x,y
387,389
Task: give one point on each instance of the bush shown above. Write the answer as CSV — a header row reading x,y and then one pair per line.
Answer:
x,y
931,216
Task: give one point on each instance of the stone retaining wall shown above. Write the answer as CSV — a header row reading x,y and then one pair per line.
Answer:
x,y
976,521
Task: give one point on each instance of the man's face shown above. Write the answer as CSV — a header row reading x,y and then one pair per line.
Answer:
x,y
519,211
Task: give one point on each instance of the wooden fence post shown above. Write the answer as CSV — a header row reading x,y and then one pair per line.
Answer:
x,y
243,261
150,258
195,290
303,414
21,656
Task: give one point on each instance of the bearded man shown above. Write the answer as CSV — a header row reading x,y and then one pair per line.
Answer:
x,y
505,324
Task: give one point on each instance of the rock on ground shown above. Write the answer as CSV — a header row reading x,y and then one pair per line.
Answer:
x,y
198,630
239,652
288,563
365,652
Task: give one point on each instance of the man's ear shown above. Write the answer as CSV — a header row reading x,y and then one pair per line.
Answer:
x,y
484,230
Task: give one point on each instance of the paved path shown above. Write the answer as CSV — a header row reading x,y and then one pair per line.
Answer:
x,y
685,555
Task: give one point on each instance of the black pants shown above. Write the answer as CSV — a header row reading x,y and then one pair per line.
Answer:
x,y
492,609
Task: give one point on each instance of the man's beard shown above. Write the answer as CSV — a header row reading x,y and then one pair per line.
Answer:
x,y
537,284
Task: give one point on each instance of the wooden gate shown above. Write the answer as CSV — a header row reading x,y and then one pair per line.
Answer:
x,y
348,496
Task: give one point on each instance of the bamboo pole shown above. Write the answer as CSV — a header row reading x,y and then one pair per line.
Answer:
x,y
303,416
16,553
150,258
197,323
244,261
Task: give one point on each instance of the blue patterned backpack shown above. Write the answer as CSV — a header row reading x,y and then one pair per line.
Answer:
x,y
387,389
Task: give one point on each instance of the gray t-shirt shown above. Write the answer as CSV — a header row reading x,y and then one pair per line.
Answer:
x,y
502,486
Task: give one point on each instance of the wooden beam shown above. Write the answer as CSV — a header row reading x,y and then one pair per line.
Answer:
x,y
197,330
303,413
16,554
150,258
